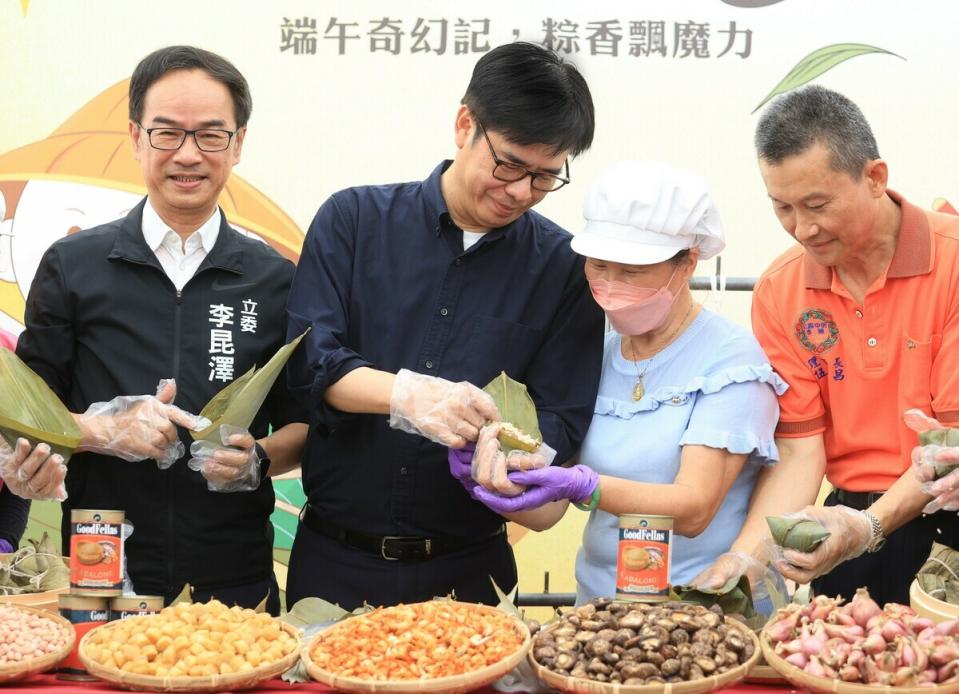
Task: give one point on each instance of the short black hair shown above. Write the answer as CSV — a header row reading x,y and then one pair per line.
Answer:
x,y
171,58
798,119
531,96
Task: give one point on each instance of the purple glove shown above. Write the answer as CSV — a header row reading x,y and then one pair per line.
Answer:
x,y
461,462
544,485
5,547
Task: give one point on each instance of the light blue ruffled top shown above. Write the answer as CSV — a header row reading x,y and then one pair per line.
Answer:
x,y
713,386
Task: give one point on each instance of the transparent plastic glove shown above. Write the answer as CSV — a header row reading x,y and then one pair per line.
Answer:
x,y
925,459
445,412
233,466
850,534
489,466
137,427
32,472
521,460
767,585
547,484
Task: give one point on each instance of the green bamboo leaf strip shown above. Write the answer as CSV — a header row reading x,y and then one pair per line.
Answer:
x,y
734,597
797,533
29,409
948,437
238,403
819,62
520,424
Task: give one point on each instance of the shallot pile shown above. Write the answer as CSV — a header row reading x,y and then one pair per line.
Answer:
x,y
861,642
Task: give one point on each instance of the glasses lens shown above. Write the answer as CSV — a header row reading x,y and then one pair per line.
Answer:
x,y
509,172
547,183
212,140
166,138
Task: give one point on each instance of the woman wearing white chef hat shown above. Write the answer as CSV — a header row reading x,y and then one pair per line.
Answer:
x,y
686,410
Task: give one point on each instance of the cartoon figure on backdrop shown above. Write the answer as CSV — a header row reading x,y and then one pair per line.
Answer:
x,y
81,176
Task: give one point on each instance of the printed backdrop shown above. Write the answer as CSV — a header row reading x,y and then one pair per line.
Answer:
x,y
365,91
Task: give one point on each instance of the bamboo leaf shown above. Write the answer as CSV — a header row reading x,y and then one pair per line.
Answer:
x,y
516,407
186,595
799,534
819,62
28,408
238,403
734,597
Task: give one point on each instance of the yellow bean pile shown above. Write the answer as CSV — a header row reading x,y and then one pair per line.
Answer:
x,y
25,636
194,640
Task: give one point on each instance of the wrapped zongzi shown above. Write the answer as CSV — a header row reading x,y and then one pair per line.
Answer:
x,y
29,409
799,534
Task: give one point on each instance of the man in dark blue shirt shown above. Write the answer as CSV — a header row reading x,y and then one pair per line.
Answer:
x,y
417,294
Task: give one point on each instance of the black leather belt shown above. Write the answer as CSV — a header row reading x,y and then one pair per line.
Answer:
x,y
392,547
856,500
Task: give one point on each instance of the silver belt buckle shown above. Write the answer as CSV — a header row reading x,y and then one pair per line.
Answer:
x,y
428,546
383,547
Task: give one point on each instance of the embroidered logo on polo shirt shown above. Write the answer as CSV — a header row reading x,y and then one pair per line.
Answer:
x,y
816,330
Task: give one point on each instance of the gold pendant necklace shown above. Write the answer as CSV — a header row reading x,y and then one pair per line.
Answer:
x,y
639,390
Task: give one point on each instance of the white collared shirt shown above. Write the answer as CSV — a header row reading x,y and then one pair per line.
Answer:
x,y
179,259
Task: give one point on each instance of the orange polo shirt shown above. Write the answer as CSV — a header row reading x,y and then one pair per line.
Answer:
x,y
854,369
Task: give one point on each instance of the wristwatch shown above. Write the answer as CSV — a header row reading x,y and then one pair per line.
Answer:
x,y
264,459
878,538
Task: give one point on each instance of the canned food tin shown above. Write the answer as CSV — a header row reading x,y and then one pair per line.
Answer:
x,y
96,551
135,606
84,612
643,561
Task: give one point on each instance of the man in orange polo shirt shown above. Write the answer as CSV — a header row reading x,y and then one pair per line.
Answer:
x,y
862,321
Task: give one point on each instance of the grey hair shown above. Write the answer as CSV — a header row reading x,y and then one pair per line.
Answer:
x,y
799,119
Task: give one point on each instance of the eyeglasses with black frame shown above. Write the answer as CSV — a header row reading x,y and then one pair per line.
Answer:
x,y
207,139
510,173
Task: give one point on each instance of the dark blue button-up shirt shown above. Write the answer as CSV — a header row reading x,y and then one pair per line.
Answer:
x,y
384,282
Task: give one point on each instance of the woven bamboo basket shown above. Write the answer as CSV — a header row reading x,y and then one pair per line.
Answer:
x,y
565,683
927,606
456,684
9,673
826,685
213,683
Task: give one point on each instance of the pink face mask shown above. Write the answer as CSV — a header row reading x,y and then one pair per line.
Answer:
x,y
633,310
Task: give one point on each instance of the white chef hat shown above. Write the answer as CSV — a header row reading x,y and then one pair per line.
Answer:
x,y
641,212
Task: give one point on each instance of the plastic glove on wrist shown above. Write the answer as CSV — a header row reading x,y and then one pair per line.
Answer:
x,y
447,413
850,535
929,461
138,427
233,466
32,472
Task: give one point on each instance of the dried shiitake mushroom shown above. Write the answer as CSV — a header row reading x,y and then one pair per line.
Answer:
x,y
641,643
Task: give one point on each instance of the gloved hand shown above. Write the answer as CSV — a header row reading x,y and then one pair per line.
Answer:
x,y
547,484
489,466
232,467
445,412
137,427
925,459
32,473
766,584
850,534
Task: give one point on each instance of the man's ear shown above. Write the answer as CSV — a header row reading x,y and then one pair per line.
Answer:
x,y
6,243
876,173
464,126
